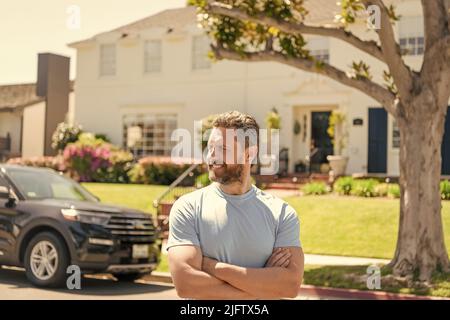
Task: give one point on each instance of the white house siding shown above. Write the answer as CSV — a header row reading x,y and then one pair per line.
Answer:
x,y
33,130
254,88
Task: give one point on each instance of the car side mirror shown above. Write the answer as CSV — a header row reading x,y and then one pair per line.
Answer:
x,y
6,193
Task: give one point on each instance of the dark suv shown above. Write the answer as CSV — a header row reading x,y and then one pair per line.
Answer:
x,y
49,222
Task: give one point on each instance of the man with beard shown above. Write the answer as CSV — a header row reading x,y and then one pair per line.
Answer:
x,y
230,240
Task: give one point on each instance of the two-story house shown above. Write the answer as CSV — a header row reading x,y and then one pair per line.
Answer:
x,y
154,75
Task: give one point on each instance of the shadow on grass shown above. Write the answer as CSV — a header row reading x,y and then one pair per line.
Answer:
x,y
355,277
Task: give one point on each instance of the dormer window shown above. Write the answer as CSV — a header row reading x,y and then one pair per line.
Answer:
x,y
200,49
319,49
152,56
107,60
411,36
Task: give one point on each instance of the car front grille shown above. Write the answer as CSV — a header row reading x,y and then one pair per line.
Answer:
x,y
135,229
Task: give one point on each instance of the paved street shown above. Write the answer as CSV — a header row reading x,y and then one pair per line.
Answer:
x,y
14,285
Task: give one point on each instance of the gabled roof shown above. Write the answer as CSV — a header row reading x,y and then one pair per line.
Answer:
x,y
14,96
18,95
176,19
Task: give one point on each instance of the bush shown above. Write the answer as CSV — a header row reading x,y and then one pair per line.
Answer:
x,y
315,188
55,163
160,170
93,160
365,188
394,191
64,134
343,185
121,162
382,189
445,190
202,180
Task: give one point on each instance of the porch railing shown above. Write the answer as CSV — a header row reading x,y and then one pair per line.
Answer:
x,y
164,202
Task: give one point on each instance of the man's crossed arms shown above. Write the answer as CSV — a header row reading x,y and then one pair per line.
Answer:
x,y
199,277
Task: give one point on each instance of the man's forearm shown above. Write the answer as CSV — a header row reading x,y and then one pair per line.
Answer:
x,y
273,282
200,285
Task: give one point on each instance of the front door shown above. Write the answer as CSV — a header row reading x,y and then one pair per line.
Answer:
x,y
377,141
321,145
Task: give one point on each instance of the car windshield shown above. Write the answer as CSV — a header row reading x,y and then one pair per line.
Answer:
x,y
48,185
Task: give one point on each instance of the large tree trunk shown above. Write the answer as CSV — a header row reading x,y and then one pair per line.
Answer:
x,y
420,245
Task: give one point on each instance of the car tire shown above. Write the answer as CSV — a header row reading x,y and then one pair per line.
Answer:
x,y
127,277
43,267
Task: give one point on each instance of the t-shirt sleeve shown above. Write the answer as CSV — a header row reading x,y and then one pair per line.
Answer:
x,y
182,230
288,233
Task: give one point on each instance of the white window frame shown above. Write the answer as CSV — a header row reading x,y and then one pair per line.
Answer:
x,y
200,49
107,64
411,35
152,133
152,56
319,48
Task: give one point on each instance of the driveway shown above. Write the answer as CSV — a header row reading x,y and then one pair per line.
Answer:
x,y
14,285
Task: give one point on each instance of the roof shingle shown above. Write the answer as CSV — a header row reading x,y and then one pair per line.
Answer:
x,y
176,19
20,95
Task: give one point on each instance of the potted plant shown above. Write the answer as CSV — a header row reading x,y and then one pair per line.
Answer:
x,y
338,133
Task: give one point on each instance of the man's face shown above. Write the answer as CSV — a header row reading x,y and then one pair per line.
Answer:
x,y
226,156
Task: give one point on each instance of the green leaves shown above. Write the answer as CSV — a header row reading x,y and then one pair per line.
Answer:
x,y
389,82
273,119
391,13
349,11
245,36
360,70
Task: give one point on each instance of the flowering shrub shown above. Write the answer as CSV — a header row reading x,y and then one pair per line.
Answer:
x,y
55,163
93,159
64,134
160,170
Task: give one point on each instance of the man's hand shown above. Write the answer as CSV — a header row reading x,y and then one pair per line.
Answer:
x,y
280,258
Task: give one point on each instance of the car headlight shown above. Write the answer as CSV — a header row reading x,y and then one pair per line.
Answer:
x,y
85,216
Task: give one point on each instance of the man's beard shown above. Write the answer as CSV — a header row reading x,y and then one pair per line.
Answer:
x,y
226,174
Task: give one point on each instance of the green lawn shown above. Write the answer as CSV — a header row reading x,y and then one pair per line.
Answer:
x,y
351,226
336,225
355,277
135,196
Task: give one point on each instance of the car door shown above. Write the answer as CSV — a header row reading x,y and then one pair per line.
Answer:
x,y
7,229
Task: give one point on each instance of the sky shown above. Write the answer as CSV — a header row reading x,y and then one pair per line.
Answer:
x,y
28,27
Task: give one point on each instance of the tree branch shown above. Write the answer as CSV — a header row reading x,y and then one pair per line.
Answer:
x,y
401,73
374,90
369,47
435,15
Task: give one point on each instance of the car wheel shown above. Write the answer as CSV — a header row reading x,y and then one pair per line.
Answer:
x,y
127,277
46,260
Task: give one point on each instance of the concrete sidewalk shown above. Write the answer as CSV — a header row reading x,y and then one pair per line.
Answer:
x,y
326,260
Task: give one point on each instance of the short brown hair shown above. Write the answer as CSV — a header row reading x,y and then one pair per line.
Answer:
x,y
237,120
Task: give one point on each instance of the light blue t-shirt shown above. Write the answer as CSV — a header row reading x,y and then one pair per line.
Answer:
x,y
241,230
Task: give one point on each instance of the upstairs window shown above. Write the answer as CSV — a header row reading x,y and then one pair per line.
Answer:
x,y
319,49
107,60
152,56
411,36
200,49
